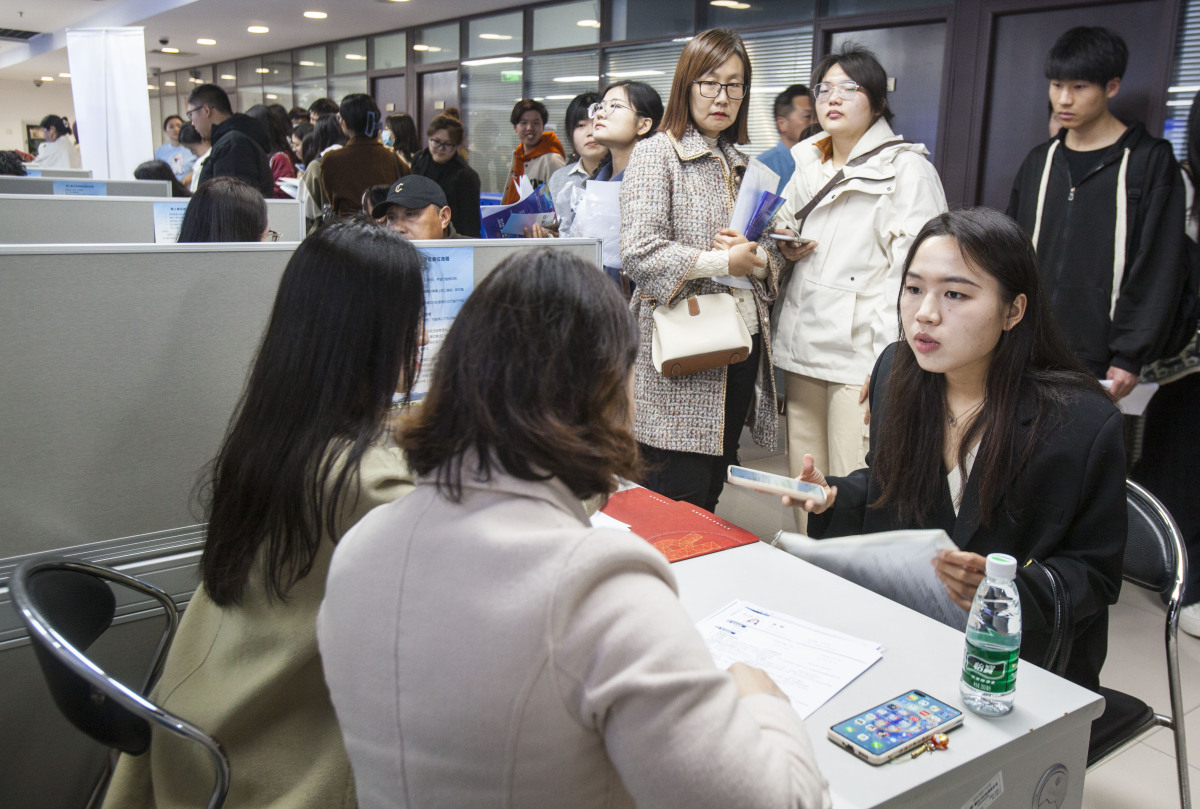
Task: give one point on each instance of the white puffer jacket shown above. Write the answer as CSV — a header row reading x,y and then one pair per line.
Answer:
x,y
839,308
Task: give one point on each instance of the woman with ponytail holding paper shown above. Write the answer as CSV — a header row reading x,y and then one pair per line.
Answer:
x,y
838,310
363,162
676,200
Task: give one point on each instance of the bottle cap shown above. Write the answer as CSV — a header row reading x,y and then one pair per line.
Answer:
x,y
1001,566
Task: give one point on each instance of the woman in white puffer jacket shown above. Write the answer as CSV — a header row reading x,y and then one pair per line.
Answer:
x,y
839,307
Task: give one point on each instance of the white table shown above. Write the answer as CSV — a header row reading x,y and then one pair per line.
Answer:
x,y
1048,726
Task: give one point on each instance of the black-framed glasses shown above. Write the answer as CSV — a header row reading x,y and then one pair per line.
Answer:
x,y
441,145
192,110
711,89
272,236
845,90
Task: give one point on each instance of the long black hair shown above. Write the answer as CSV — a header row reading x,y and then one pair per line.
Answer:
x,y
277,129
1031,359
344,335
224,209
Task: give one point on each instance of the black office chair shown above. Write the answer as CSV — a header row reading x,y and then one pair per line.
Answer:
x,y
66,605
1154,559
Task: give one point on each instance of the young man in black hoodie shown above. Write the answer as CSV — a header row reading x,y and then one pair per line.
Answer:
x,y
1103,202
239,143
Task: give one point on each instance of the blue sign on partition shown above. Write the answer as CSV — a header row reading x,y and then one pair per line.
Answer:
x,y
81,188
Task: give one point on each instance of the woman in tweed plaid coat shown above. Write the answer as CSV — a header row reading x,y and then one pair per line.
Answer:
x,y
676,200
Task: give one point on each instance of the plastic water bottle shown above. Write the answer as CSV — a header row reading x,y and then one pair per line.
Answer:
x,y
989,670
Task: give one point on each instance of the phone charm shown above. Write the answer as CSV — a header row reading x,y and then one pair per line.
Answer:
x,y
939,741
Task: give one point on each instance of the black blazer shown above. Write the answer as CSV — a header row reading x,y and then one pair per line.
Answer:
x,y
1065,507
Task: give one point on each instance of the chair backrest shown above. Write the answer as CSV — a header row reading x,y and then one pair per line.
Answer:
x,y
66,605
1154,556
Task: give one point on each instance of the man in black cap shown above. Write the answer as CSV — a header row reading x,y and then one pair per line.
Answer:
x,y
416,209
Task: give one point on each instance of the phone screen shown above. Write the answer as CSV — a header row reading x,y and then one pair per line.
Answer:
x,y
755,476
895,722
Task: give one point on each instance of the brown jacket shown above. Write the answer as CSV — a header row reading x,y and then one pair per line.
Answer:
x,y
349,171
675,196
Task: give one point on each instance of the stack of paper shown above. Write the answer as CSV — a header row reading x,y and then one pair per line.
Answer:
x,y
809,662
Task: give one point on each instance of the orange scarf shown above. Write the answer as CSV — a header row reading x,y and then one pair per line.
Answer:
x,y
549,144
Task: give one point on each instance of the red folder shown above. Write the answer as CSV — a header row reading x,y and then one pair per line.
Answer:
x,y
678,530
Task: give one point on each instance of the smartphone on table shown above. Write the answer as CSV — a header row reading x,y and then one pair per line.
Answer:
x,y
775,484
897,726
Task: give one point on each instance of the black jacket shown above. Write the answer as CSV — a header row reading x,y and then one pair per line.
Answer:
x,y
1066,507
239,149
1076,247
460,183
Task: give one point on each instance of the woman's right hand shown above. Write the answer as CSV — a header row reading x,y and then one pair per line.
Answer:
x,y
753,681
794,251
810,474
743,258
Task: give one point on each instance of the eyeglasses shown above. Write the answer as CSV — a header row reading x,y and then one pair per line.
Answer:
x,y
272,236
442,145
845,90
194,110
606,107
712,89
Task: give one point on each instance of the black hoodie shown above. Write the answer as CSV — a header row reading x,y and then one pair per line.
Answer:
x,y
1076,246
239,149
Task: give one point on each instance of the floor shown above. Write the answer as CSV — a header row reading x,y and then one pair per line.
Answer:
x,y
1141,777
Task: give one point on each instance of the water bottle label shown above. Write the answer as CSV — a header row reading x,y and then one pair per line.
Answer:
x,y
993,671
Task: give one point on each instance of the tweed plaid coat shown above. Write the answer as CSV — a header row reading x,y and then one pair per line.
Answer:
x,y
675,196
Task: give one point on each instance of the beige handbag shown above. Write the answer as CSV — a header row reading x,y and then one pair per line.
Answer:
x,y
701,332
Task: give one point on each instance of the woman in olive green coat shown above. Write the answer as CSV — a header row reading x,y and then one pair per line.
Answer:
x,y
307,454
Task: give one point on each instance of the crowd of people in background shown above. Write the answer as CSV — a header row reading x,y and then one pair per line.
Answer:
x,y
940,369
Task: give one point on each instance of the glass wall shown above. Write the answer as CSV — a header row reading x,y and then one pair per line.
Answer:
x,y
737,14
492,36
436,43
566,25
389,51
562,56
650,19
490,90
556,78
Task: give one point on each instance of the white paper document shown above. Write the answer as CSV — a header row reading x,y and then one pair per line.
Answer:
x,y
1134,403
894,564
809,662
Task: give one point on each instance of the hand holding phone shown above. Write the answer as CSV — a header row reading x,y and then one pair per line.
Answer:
x,y
897,726
776,484
787,237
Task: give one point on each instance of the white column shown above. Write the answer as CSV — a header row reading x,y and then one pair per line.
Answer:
x,y
112,106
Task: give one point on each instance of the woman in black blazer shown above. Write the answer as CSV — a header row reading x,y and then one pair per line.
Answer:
x,y
982,381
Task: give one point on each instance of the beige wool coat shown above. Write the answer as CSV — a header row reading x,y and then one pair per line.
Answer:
x,y
251,676
501,653
675,196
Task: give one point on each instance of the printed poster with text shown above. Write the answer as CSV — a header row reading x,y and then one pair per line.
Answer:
x,y
449,280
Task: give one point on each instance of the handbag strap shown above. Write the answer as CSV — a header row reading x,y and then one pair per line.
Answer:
x,y
803,213
1062,633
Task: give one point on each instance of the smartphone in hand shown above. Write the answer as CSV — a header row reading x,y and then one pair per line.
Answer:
x,y
775,484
